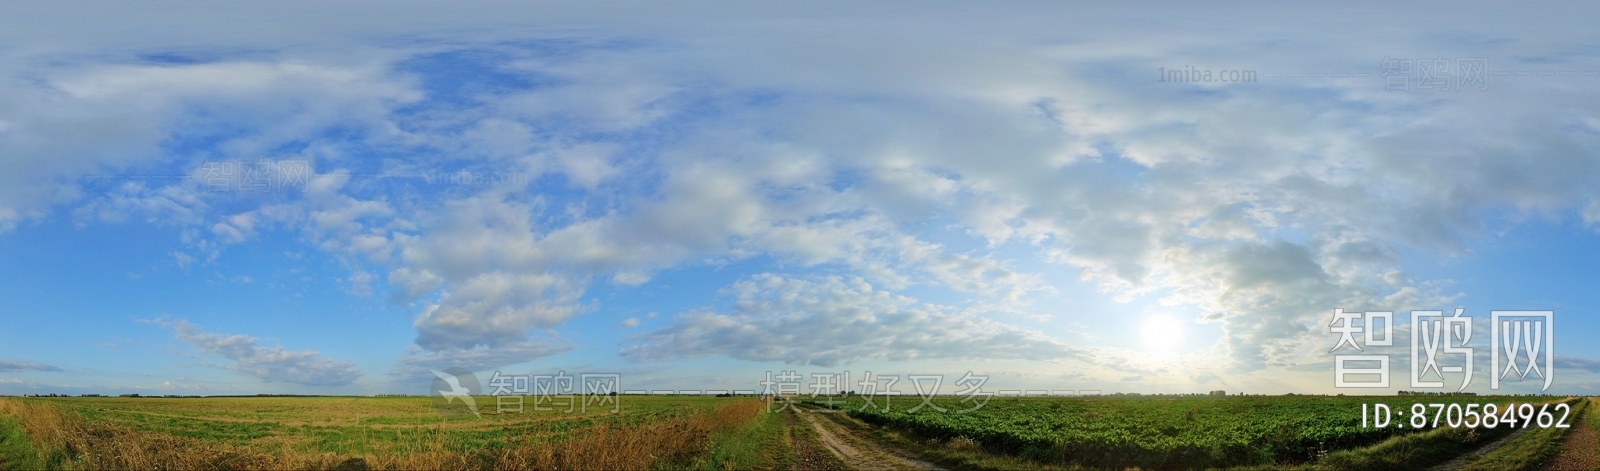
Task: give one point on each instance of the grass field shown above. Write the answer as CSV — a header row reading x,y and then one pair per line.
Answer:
x,y
688,432
401,433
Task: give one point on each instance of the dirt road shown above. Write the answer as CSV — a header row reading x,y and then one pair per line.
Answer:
x,y
856,451
813,454
1578,449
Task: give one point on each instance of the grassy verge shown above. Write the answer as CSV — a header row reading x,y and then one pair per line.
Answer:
x,y
1593,419
16,451
1531,449
762,444
31,435
1413,451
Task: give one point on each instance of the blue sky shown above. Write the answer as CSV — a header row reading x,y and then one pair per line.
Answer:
x,y
693,195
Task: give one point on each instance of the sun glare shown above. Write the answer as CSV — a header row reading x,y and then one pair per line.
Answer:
x,y
1162,335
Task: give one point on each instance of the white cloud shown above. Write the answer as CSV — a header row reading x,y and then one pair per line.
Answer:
x,y
414,283
418,362
15,365
495,309
183,259
834,321
167,205
267,363
1591,215
104,120
1569,363
500,274
360,283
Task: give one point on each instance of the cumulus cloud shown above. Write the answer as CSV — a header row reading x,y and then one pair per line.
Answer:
x,y
15,365
499,273
100,120
419,363
266,363
833,321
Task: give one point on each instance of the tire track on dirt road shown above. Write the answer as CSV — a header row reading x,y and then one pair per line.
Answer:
x,y
855,451
812,453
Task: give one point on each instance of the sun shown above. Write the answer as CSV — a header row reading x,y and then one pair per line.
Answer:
x,y
1161,335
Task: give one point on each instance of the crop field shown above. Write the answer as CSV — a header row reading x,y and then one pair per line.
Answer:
x,y
1192,432
690,432
1150,432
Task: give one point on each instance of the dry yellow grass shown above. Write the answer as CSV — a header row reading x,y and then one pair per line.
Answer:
x,y
68,442
636,447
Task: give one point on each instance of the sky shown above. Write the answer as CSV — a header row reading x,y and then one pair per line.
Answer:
x,y
206,197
